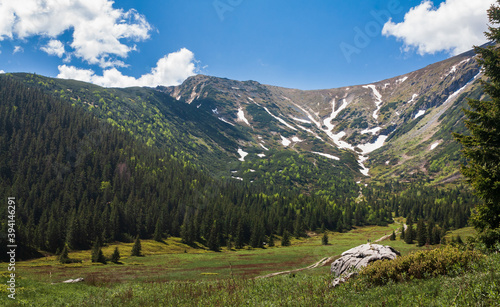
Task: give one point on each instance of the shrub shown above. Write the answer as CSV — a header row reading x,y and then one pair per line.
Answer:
x,y
419,265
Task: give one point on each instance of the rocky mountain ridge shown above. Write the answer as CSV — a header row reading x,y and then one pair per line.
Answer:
x,y
393,127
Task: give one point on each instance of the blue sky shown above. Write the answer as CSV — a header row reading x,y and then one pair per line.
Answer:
x,y
292,43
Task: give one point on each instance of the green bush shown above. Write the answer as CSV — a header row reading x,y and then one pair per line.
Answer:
x,y
419,265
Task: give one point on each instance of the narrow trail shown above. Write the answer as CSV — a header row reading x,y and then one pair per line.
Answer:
x,y
388,236
320,263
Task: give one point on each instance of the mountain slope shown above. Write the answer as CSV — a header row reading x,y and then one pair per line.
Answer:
x,y
395,128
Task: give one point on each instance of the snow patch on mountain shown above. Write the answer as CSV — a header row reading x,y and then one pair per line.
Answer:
x,y
281,120
261,155
243,154
300,120
286,142
297,140
372,131
224,120
402,79
241,116
433,146
368,148
420,113
378,99
262,145
215,111
413,98
326,155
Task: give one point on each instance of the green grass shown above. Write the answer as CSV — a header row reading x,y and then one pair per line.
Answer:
x,y
170,271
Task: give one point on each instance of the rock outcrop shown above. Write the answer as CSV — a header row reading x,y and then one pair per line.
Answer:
x,y
358,257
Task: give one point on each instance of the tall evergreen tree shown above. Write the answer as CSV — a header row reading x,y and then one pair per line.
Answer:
x,y
136,249
421,233
285,240
97,255
115,257
409,234
482,147
213,239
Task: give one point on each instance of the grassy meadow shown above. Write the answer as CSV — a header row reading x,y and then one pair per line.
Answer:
x,y
171,273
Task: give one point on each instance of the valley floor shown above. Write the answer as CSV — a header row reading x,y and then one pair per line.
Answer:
x,y
171,273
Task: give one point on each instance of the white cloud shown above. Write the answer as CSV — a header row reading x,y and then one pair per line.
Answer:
x,y
455,26
54,47
2,72
18,49
172,69
101,33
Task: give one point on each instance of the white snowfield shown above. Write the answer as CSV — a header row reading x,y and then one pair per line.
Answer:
x,y
262,145
224,120
286,142
413,98
281,120
403,79
378,99
420,113
297,139
372,131
433,146
243,154
370,147
241,116
326,155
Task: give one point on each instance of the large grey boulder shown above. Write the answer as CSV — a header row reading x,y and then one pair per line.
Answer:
x,y
358,257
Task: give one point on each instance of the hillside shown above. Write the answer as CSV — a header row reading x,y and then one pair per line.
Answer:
x,y
394,128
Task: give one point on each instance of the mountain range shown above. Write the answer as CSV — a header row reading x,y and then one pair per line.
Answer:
x,y
324,141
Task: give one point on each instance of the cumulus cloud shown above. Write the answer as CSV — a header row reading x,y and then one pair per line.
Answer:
x,y
172,69
2,72
101,33
54,47
455,26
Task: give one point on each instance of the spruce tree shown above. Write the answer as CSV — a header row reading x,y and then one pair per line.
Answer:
x,y
324,239
393,236
271,240
136,249
115,257
421,233
63,257
157,236
409,231
482,147
285,240
97,255
402,236
213,240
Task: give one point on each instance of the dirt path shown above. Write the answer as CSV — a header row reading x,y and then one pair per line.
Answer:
x,y
320,263
388,236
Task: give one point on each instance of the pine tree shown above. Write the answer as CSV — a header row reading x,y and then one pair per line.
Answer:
x,y
285,240
402,236
63,257
157,236
393,236
271,240
239,236
409,231
421,233
115,257
136,249
482,147
97,255
213,240
324,240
